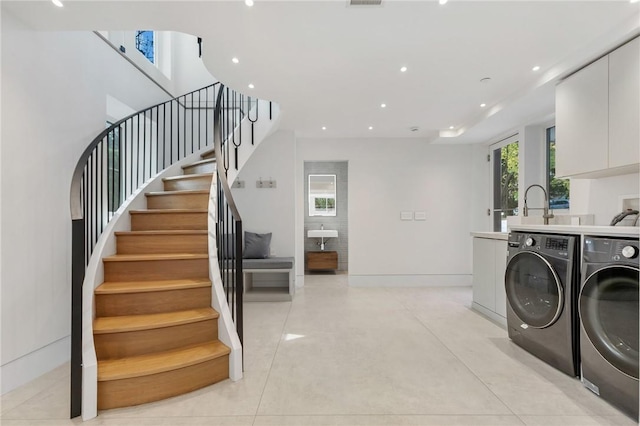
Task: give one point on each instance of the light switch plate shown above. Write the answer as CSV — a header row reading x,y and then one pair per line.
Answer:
x,y
420,216
406,215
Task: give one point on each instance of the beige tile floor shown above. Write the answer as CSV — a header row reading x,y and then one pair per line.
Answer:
x,y
339,355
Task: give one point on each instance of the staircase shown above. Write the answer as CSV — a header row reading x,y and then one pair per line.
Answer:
x,y
155,331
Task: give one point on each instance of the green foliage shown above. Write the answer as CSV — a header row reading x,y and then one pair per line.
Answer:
x,y
558,188
509,177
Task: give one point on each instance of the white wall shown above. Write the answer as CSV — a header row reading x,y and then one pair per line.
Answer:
x,y
54,93
386,177
270,209
601,197
178,67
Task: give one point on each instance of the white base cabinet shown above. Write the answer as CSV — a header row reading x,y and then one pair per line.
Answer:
x,y
489,264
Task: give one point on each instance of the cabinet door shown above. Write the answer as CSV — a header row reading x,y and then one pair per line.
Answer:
x,y
582,117
484,277
624,105
500,247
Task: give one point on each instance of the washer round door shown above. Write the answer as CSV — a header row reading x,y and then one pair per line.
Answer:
x,y
533,289
608,308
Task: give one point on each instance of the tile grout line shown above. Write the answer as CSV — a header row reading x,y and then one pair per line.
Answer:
x,y
266,382
461,361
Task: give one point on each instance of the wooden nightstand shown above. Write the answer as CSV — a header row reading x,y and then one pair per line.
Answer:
x,y
322,260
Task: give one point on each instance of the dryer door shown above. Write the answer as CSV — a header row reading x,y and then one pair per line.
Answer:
x,y
608,307
533,288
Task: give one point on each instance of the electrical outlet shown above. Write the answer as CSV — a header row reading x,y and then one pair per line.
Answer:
x,y
238,184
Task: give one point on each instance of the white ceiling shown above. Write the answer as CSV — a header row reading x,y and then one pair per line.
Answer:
x,y
330,64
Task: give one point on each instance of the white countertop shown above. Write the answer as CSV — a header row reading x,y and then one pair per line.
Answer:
x,y
621,231
491,235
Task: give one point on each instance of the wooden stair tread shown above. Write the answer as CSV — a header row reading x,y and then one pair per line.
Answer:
x,y
128,323
149,286
183,177
165,232
207,153
159,256
197,163
168,211
144,365
179,192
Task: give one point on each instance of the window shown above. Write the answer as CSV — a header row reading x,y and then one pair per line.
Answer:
x,y
114,183
558,189
505,182
145,44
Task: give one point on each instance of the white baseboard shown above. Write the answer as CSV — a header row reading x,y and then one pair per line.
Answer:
x,y
498,319
33,365
409,280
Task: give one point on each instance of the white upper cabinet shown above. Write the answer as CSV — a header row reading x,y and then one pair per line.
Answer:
x,y
582,111
598,116
624,105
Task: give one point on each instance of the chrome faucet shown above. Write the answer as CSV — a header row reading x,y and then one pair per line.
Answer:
x,y
546,215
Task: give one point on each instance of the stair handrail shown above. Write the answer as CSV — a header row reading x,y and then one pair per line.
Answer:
x,y
229,234
95,172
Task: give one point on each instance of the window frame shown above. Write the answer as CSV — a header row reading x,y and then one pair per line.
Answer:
x,y
548,169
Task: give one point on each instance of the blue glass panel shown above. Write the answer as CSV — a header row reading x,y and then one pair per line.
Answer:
x,y
144,43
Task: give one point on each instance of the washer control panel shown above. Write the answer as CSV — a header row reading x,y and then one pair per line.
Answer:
x,y
554,245
607,249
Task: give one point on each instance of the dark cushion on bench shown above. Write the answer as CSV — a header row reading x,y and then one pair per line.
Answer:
x,y
268,263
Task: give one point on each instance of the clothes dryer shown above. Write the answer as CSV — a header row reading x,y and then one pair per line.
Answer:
x,y
608,308
541,281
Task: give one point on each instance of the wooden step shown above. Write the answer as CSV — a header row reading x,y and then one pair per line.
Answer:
x,y
196,181
151,297
165,241
202,166
133,335
154,267
192,199
138,380
208,154
166,219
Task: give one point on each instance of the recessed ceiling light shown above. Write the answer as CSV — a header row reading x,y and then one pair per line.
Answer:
x,y
57,3
383,105
251,86
403,69
451,127
324,128
483,105
235,60
633,1
536,68
248,2
370,127
442,1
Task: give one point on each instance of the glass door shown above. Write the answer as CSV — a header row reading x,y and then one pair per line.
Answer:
x,y
609,314
533,290
505,165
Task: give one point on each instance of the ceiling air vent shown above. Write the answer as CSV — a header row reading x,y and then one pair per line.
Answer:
x,y
364,2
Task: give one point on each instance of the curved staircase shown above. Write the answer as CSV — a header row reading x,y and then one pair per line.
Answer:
x,y
155,331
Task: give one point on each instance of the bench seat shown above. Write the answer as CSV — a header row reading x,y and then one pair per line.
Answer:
x,y
268,280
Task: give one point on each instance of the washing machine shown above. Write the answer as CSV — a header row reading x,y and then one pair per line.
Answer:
x,y
608,308
541,281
